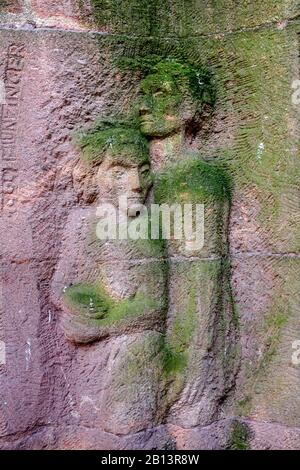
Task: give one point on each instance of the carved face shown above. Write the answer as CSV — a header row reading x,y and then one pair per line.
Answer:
x,y
117,178
164,108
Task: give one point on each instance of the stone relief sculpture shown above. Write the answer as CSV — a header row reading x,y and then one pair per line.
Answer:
x,y
154,344
112,287
174,294
201,320
97,289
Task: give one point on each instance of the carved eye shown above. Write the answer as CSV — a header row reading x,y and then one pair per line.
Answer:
x,y
118,173
158,93
145,170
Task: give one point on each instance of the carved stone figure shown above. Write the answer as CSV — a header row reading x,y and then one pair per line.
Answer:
x,y
201,321
115,287
111,287
101,283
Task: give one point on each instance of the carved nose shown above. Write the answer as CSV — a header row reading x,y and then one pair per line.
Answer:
x,y
135,184
144,108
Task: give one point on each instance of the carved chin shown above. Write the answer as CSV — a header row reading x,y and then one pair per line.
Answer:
x,y
148,128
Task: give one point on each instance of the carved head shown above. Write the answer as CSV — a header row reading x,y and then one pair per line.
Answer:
x,y
121,156
173,93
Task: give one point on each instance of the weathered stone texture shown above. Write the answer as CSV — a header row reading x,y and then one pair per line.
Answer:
x,y
55,394
11,6
45,76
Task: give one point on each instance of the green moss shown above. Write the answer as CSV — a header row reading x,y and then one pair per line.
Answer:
x,y
171,356
136,306
173,362
186,18
170,89
195,181
264,375
181,353
259,91
119,139
152,247
139,62
273,325
184,328
97,308
175,347
90,300
123,15
240,437
182,78
275,322
141,357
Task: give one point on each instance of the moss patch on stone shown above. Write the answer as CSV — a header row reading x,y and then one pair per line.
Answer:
x,y
152,247
185,18
195,181
90,300
266,385
95,307
183,77
240,437
121,140
256,91
175,351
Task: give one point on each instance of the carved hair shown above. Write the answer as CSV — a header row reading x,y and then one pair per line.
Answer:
x,y
116,138
188,79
